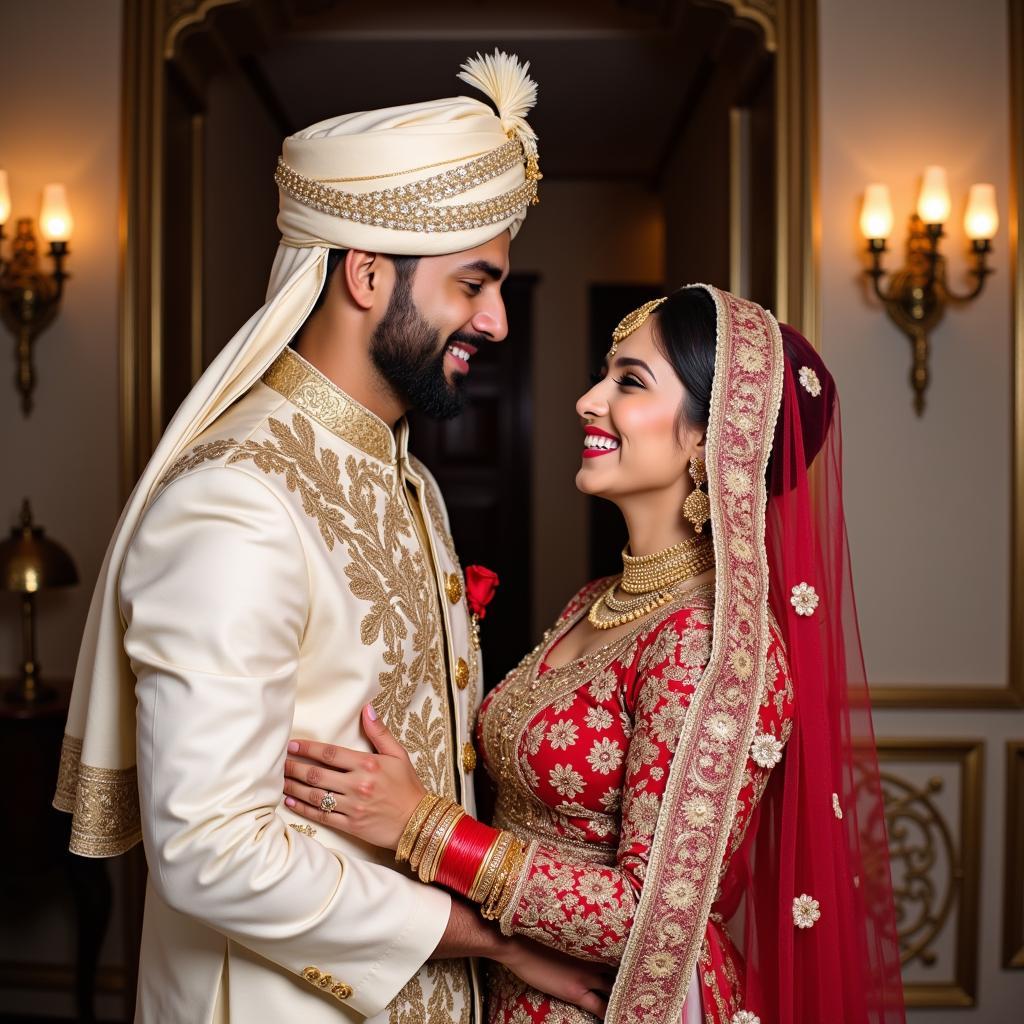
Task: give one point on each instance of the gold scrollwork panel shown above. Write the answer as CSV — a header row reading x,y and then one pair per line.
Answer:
x,y
1013,922
932,791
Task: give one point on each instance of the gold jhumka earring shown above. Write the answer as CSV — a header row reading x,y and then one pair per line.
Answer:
x,y
697,507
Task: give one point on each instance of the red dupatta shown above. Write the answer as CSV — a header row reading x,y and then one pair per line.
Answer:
x,y
812,876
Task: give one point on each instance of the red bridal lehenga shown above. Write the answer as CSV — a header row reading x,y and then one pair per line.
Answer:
x,y
700,798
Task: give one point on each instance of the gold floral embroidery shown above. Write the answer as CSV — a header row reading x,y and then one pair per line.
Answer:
x,y
450,999
363,510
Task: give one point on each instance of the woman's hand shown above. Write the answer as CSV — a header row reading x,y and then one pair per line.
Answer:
x,y
374,794
556,974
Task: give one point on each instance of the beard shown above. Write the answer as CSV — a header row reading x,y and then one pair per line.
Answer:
x,y
407,351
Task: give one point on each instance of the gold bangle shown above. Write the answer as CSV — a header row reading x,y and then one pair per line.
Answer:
x,y
426,831
482,869
434,839
495,858
498,887
511,882
435,864
413,826
431,857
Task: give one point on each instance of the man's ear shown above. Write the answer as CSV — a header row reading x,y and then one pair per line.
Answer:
x,y
364,275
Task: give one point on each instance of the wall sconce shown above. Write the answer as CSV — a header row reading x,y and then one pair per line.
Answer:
x,y
918,294
29,298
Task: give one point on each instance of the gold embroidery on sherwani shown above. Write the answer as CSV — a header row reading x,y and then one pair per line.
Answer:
x,y
364,511
309,390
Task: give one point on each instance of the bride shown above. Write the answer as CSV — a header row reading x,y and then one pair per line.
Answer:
x,y
687,789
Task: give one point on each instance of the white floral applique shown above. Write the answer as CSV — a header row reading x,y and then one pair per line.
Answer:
x,y
809,381
806,910
837,809
766,750
804,599
744,1017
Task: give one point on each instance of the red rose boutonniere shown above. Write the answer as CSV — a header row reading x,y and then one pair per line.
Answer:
x,y
481,584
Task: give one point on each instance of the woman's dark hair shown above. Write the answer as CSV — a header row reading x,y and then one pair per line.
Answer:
x,y
685,325
686,329
404,267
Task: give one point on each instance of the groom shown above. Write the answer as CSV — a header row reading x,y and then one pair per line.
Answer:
x,y
283,562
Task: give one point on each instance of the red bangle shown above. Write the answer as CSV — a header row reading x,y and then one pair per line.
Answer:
x,y
464,853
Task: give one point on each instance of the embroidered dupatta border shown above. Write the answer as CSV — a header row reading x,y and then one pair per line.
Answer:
x,y
706,775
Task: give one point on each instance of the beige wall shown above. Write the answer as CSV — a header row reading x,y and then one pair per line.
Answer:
x,y
60,75
927,499
582,233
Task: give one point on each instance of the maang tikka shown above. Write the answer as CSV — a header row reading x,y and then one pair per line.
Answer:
x,y
697,507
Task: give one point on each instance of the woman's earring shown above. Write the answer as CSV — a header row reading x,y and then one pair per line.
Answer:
x,y
697,507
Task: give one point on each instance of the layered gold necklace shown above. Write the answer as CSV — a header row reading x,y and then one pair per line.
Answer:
x,y
651,580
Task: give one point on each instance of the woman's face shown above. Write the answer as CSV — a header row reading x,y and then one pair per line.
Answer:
x,y
634,443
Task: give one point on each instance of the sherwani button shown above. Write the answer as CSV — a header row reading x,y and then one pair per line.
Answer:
x,y
341,991
461,674
468,757
453,587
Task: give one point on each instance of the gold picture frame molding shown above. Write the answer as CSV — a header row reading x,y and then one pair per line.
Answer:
x,y
1012,694
965,874
1013,888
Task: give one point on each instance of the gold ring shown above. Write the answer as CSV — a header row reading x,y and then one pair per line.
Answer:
x,y
328,803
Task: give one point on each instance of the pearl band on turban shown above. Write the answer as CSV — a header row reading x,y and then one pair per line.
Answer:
x,y
420,180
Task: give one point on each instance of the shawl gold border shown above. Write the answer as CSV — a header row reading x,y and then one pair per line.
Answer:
x,y
699,803
103,802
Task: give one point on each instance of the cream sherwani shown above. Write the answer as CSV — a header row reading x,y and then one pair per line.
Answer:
x,y
295,564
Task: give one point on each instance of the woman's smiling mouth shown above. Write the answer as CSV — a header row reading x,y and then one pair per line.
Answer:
x,y
598,442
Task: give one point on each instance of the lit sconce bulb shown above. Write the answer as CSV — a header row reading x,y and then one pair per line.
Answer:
x,y
5,199
982,217
876,213
55,221
933,204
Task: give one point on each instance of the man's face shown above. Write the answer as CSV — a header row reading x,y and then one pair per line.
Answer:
x,y
437,320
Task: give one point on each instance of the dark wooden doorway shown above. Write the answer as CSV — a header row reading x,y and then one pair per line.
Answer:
x,y
482,462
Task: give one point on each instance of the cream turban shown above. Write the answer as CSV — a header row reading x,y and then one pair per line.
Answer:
x,y
419,180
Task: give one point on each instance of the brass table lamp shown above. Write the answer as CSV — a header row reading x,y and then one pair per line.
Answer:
x,y
30,562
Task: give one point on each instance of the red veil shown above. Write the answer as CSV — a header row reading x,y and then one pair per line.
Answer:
x,y
822,825
810,882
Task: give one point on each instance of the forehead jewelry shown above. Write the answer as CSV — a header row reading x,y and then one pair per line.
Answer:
x,y
633,322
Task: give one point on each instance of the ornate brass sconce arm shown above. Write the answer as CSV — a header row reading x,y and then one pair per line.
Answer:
x,y
917,295
29,300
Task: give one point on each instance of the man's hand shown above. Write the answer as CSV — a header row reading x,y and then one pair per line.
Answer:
x,y
582,984
586,985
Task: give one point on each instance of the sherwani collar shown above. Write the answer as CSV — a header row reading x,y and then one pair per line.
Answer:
x,y
298,380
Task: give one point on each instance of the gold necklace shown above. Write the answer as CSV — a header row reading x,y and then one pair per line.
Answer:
x,y
652,579
647,573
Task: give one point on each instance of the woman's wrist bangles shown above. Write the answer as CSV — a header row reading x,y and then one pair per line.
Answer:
x,y
445,845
